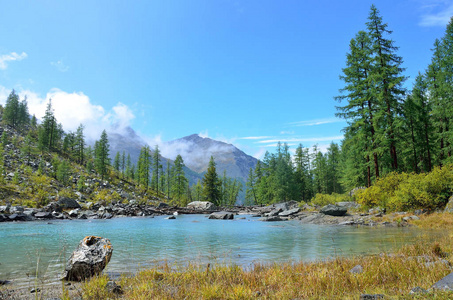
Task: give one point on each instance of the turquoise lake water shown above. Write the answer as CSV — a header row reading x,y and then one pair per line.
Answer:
x,y
139,242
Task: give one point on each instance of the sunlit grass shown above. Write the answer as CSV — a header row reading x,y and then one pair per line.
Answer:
x,y
393,275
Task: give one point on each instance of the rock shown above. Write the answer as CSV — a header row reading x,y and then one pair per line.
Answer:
x,y
256,216
271,219
74,213
171,218
418,290
89,259
333,210
282,206
53,206
3,218
275,212
4,209
347,223
289,212
418,212
201,205
221,215
449,206
348,204
107,215
371,296
114,288
68,203
162,205
445,284
4,282
43,215
16,209
377,210
356,270
19,217
37,290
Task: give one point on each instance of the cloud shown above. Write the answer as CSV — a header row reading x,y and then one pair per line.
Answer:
x,y
316,122
60,65
204,134
286,132
301,139
10,57
439,14
260,154
255,137
73,109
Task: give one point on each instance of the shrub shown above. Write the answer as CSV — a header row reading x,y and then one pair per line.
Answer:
x,y
324,199
399,192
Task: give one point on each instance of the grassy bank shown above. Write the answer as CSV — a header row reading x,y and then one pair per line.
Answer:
x,y
393,275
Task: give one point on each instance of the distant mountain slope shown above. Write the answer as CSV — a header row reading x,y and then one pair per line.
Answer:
x,y
196,152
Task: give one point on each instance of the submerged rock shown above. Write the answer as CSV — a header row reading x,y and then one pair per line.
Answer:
x,y
333,210
222,215
90,258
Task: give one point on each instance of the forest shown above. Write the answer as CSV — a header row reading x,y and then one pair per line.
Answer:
x,y
390,128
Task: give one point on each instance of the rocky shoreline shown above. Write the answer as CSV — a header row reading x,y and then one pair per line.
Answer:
x,y
344,213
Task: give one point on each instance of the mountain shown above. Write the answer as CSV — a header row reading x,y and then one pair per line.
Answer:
x,y
196,152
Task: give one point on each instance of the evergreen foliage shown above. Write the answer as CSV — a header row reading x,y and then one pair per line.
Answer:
x,y
212,184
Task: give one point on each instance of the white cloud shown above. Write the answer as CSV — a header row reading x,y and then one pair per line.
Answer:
x,y
439,14
255,137
60,65
73,109
300,139
10,57
204,134
260,154
316,122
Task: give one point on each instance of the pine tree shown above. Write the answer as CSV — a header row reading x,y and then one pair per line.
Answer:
x,y
11,110
101,151
250,192
179,181
211,184
386,74
79,145
117,161
143,166
157,167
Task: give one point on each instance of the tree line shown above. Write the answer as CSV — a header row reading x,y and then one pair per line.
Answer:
x,y
389,128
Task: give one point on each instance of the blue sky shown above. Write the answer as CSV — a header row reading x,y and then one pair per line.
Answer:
x,y
247,72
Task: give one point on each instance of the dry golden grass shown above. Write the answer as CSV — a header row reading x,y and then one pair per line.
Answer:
x,y
393,275
435,221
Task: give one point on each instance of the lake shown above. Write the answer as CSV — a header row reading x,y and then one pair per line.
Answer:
x,y
139,242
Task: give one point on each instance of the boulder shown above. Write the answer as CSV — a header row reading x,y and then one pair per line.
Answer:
x,y
162,205
16,209
333,210
201,205
68,203
289,212
53,206
222,215
449,206
20,217
90,258
445,284
275,212
74,213
3,218
171,217
348,204
4,209
43,215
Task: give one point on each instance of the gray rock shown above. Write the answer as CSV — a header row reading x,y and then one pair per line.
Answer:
x,y
333,210
445,284
113,287
19,217
16,209
256,216
289,212
221,215
418,290
162,205
356,270
107,215
271,219
201,205
348,204
74,213
307,207
371,296
275,212
68,203
57,215
53,206
4,209
449,206
3,218
171,218
89,259
43,215
347,223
